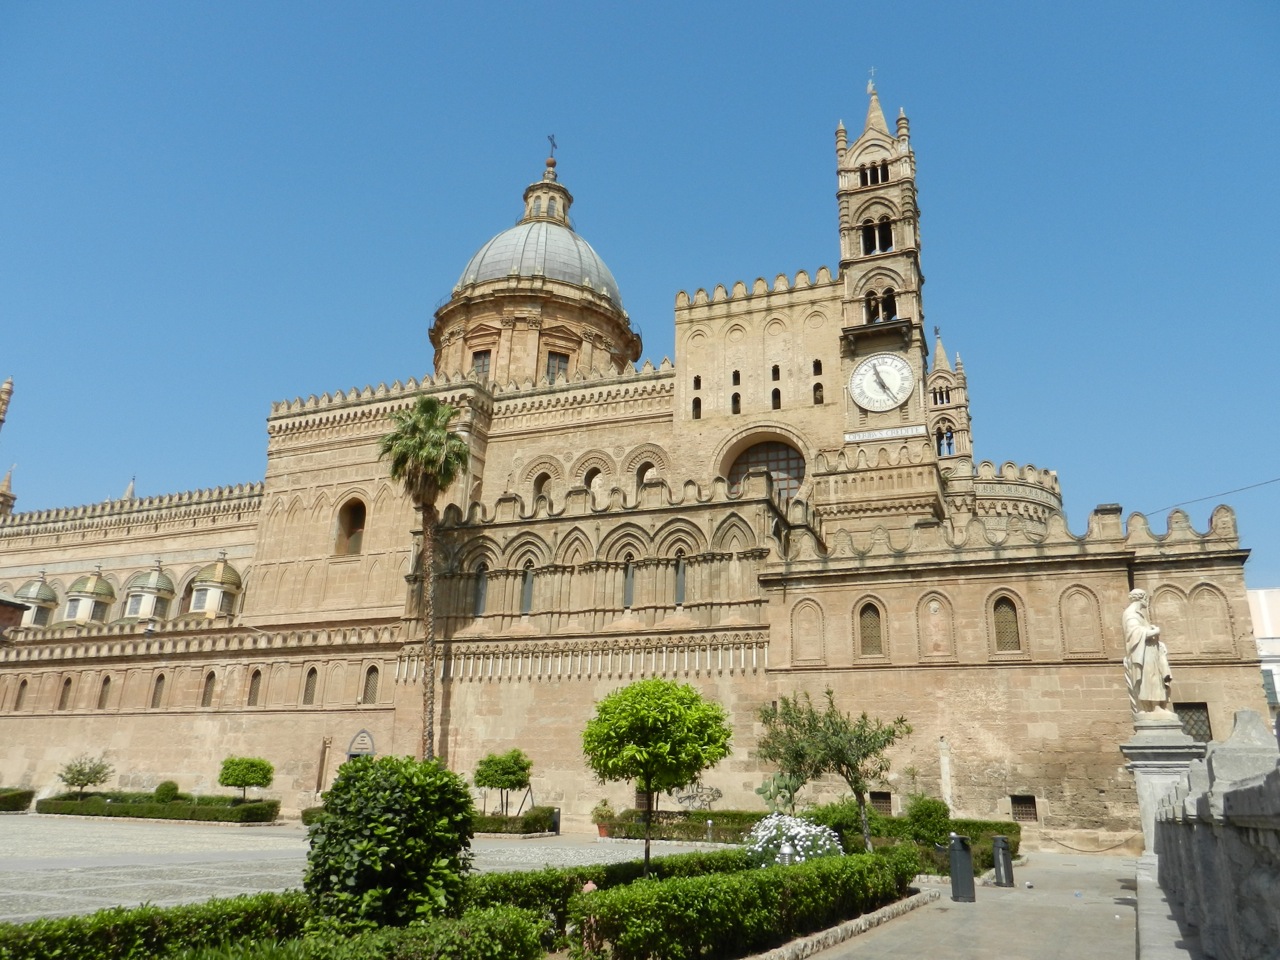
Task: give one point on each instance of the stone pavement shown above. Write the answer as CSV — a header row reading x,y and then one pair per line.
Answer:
x,y
1077,907
52,866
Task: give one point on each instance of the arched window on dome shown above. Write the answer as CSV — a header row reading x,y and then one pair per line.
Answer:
x,y
783,462
537,206
351,521
551,207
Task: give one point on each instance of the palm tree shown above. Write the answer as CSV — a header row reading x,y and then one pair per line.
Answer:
x,y
426,457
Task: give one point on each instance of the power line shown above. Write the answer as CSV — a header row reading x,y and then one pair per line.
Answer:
x,y
1214,496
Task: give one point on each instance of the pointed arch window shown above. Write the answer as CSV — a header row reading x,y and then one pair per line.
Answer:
x,y
103,692
64,698
255,688
735,403
872,307
526,590
350,539
309,687
480,593
157,692
21,698
628,582
817,395
889,305
697,408
944,438
681,574
884,235
870,631
1004,613
206,692
775,399
370,693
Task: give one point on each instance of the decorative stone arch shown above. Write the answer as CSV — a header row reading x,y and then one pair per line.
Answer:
x,y
1171,612
574,548
650,452
877,280
482,549
361,745
1080,617
679,534
875,208
733,531
734,331
696,336
627,537
776,326
591,460
935,627
334,683
867,646
1213,625
1005,625
808,633
544,463
526,547
732,446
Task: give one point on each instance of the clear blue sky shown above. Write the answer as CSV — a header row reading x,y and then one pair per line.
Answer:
x,y
205,207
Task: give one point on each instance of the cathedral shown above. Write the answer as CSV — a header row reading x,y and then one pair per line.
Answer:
x,y
795,504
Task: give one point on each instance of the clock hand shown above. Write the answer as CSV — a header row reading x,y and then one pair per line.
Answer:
x,y
880,380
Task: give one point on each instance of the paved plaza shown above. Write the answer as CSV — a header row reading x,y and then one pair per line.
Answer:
x,y
1076,906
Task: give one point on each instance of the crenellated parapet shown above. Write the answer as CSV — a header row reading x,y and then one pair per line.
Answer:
x,y
40,648
1015,491
739,293
241,501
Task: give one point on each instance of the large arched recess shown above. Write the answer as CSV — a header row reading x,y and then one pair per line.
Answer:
x,y
735,444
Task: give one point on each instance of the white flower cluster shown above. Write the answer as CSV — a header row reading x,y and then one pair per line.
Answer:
x,y
806,839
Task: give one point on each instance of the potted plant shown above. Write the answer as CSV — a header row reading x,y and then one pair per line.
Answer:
x,y
602,815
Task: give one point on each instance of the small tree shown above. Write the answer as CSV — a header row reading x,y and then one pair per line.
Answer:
x,y
245,772
659,733
806,741
86,771
393,844
504,772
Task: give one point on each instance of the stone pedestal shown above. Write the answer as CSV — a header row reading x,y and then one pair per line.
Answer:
x,y
1159,754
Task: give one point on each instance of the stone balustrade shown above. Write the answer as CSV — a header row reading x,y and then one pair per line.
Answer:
x,y
1218,842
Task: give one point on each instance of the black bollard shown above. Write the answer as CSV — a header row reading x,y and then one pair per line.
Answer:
x,y
1003,861
961,870
555,820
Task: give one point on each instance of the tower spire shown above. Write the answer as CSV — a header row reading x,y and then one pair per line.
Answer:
x,y
940,361
7,499
875,114
6,391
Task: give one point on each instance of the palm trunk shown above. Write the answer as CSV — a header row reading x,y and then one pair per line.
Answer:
x,y
426,584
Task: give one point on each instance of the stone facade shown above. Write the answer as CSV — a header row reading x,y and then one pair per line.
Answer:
x,y
793,505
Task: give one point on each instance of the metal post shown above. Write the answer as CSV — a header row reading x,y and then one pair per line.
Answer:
x,y
961,869
1003,858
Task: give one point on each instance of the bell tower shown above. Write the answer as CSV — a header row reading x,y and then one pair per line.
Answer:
x,y
887,471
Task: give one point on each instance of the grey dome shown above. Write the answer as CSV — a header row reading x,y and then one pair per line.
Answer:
x,y
541,248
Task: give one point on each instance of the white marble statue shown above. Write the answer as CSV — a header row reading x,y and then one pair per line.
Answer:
x,y
1146,662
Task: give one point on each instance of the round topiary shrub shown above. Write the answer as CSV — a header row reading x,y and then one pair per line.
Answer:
x,y
808,840
393,844
928,820
166,791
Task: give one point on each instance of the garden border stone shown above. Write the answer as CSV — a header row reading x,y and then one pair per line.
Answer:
x,y
825,939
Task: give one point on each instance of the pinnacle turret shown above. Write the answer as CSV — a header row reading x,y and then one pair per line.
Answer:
x,y
875,114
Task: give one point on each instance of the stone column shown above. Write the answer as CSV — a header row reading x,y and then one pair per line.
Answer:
x,y
1159,755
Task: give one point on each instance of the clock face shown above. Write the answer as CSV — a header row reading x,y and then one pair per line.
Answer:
x,y
881,382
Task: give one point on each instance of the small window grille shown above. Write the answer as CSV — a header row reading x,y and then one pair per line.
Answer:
x,y
255,688
309,687
41,617
869,631
73,608
1024,808
1195,720
161,608
1008,637
370,686
135,605
157,692
480,364
206,695
199,598
99,612
882,802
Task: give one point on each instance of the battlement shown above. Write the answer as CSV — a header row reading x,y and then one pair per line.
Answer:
x,y
781,284
1010,472
113,641
170,506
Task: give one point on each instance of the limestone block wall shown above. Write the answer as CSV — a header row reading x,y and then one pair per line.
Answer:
x,y
1218,842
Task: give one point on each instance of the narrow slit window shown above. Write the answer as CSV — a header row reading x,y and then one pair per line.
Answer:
x,y
737,378
370,694
64,698
526,590
21,698
309,687
817,368
1008,636
628,582
157,692
697,383
481,590
255,688
735,403
680,579
870,631
103,692
206,695
775,399
817,395
697,408
775,373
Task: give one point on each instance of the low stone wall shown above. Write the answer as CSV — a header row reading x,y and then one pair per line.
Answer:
x,y
1218,842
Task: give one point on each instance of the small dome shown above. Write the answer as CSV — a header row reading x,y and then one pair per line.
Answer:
x,y
92,586
38,592
220,574
150,581
541,248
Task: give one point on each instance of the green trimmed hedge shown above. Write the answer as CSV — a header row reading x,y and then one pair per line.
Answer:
x,y
548,891
535,820
311,815
731,915
498,933
147,932
12,799
727,826
255,811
